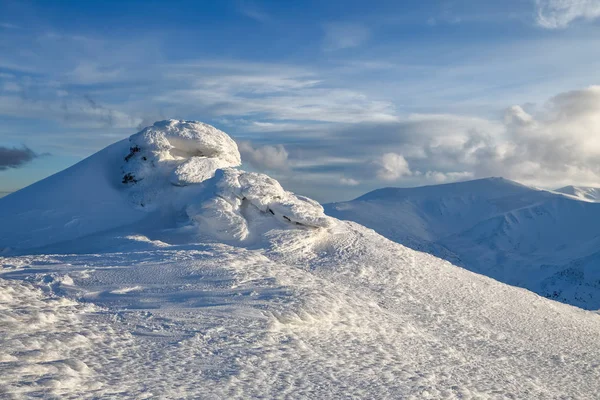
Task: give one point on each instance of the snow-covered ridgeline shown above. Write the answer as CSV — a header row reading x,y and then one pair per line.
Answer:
x,y
542,240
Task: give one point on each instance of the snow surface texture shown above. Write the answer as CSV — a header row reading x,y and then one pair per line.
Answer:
x,y
331,313
234,288
543,241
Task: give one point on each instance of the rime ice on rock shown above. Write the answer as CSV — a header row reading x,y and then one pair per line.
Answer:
x,y
191,150
185,153
245,197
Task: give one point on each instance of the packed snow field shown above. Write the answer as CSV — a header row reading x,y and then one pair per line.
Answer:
x,y
545,241
155,269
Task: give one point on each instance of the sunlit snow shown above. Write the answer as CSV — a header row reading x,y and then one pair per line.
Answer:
x,y
156,269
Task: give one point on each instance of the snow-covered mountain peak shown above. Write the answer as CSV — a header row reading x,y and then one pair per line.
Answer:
x,y
487,187
538,239
171,174
581,192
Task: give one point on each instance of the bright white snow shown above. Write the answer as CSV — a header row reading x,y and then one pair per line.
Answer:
x,y
537,239
232,287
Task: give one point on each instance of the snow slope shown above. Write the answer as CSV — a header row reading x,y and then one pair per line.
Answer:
x,y
536,239
232,287
581,192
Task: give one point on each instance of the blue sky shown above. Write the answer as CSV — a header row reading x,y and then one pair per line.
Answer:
x,y
332,98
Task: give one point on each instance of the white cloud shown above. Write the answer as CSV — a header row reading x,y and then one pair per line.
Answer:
x,y
277,92
549,145
77,112
344,35
559,143
264,158
392,166
555,144
349,182
443,177
557,14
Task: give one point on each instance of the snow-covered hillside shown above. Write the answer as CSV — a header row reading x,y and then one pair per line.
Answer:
x,y
154,269
536,239
581,192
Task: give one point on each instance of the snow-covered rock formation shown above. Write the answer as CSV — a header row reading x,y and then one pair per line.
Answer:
x,y
170,169
156,269
183,152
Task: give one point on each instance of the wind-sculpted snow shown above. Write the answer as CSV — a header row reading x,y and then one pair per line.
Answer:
x,y
244,202
52,346
178,152
331,313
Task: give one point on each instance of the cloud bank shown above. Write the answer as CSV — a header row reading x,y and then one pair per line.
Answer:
x,y
549,145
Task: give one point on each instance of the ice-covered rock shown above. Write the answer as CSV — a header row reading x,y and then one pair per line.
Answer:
x,y
242,199
185,152
180,140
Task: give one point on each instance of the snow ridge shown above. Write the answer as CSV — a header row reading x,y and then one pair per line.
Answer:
x,y
581,192
537,239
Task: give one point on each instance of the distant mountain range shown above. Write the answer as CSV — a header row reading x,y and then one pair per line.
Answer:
x,y
545,241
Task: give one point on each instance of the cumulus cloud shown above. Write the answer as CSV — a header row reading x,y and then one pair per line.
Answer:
x,y
557,14
560,142
557,143
14,157
269,158
552,144
343,35
391,166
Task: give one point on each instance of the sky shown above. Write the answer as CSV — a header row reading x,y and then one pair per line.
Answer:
x,y
332,98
